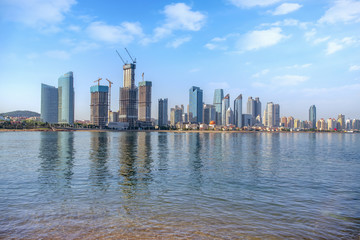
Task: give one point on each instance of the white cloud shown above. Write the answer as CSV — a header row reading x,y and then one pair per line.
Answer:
x,y
342,11
321,40
289,80
297,66
179,41
58,54
286,8
178,16
260,39
338,45
253,3
354,68
310,34
211,46
123,33
333,90
261,73
74,28
40,14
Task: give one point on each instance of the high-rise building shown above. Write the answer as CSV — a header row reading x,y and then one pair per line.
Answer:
x,y
272,115
257,109
250,107
99,105
224,107
356,124
163,112
312,116
196,104
209,113
238,111
283,122
175,116
49,104
290,122
341,121
331,124
66,98
128,111
145,101
229,117
218,97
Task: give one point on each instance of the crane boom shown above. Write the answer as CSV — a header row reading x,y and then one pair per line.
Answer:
x,y
98,81
109,107
134,61
120,57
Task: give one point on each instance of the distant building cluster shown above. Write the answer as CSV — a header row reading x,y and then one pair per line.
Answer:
x,y
57,106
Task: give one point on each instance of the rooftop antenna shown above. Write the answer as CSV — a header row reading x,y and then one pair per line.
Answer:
x,y
134,61
121,57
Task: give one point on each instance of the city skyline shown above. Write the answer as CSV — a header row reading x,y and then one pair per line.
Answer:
x,y
183,44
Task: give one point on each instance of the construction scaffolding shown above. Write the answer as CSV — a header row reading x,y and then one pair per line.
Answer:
x,y
99,105
128,111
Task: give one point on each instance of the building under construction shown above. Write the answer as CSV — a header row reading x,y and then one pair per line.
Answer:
x,y
145,101
128,111
99,105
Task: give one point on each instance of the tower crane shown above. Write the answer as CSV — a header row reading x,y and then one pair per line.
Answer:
x,y
98,81
121,57
109,94
133,60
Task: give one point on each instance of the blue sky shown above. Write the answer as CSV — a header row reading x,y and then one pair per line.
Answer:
x,y
295,53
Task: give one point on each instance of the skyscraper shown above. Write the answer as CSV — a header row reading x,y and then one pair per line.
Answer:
x,y
49,104
218,97
250,107
238,111
229,117
145,101
128,111
196,104
341,121
257,108
163,112
224,107
99,105
277,115
312,116
66,98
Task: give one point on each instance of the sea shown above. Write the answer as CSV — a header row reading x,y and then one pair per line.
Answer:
x,y
179,185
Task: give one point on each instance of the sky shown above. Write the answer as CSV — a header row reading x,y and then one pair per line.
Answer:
x,y
295,53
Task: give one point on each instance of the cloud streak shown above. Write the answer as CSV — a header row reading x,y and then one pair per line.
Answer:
x,y
286,8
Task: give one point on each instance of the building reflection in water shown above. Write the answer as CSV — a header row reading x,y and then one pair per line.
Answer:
x,y
99,171
163,151
127,169
195,141
145,160
57,159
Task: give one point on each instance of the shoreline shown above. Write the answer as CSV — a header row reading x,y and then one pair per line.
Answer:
x,y
162,131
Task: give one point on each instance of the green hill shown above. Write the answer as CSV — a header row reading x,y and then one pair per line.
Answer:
x,y
21,113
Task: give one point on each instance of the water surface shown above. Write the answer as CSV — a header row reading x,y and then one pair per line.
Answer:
x,y
179,185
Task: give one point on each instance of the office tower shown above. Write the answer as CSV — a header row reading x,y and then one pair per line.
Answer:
x,y
229,117
341,121
185,117
257,108
297,123
356,124
175,116
277,115
209,113
196,104
247,120
250,107
128,111
99,105
331,124
49,104
182,108
218,97
66,98
312,116
348,124
224,106
163,112
238,111
145,101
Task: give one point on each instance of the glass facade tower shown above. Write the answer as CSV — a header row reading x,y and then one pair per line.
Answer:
x,y
312,116
196,104
218,97
224,108
238,111
49,104
66,98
